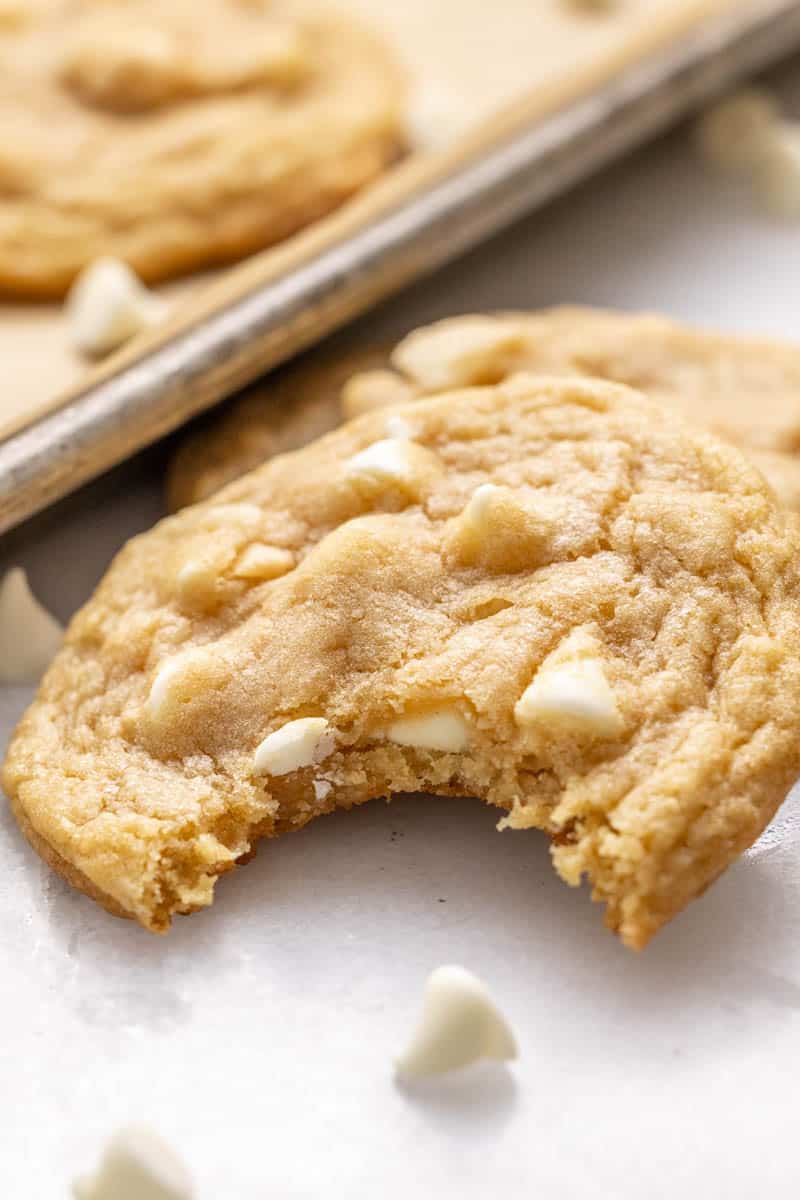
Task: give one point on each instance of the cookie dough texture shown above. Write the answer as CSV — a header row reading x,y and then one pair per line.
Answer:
x,y
655,559
744,389
130,128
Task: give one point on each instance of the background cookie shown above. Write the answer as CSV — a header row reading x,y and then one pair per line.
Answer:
x,y
301,402
554,595
745,389
135,130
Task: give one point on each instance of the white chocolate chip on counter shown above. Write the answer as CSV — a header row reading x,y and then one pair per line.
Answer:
x,y
297,744
440,729
459,353
29,635
570,691
731,134
263,562
435,117
137,1165
369,390
777,172
459,1025
107,305
322,789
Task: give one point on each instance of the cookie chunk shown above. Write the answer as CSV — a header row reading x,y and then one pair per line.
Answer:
x,y
745,389
136,130
551,594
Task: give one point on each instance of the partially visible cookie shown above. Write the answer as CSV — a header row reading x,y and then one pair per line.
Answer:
x,y
136,130
299,402
745,389
551,594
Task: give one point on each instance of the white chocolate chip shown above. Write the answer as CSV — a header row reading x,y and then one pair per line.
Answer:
x,y
322,789
297,744
398,427
476,512
107,305
460,1024
435,117
217,516
571,691
137,1165
777,172
261,561
368,390
441,729
731,134
386,460
176,681
459,353
29,635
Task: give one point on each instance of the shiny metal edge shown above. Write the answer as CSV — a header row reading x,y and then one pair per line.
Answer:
x,y
159,392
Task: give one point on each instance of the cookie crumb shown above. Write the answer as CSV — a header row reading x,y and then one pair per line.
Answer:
x,y
29,635
108,305
137,1165
294,745
459,1025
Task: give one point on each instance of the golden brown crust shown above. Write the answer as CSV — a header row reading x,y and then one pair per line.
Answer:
x,y
133,130
616,544
744,389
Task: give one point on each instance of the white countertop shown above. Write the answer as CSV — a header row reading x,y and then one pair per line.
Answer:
x,y
258,1036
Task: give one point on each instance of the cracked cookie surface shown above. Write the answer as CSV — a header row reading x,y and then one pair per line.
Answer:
x,y
134,130
744,389
553,595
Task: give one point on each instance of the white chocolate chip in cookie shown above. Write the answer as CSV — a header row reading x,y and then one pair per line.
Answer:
x,y
502,530
107,305
262,562
571,691
387,460
439,729
29,635
731,134
392,461
217,516
460,353
137,1165
178,680
297,744
460,1024
369,390
322,789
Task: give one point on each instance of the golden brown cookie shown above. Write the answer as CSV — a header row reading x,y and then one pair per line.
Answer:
x,y
554,595
135,130
745,389
300,402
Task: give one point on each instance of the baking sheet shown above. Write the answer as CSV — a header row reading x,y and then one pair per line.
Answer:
x,y
258,1036
548,51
